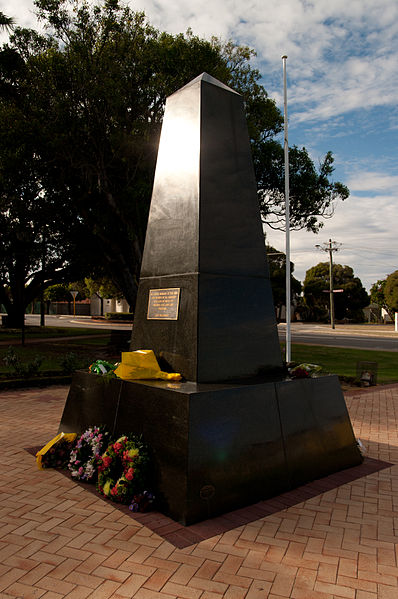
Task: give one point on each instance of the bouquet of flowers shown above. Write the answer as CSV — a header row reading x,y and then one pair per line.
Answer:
x,y
103,367
86,453
122,469
142,502
304,371
56,453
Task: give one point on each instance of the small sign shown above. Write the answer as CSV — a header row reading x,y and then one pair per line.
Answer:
x,y
163,304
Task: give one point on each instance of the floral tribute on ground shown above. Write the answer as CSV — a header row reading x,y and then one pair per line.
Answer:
x,y
56,453
83,463
122,469
305,371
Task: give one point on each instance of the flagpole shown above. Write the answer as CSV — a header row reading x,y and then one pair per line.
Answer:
x,y
287,212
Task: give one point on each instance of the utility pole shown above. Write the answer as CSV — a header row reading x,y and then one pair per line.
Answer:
x,y
330,246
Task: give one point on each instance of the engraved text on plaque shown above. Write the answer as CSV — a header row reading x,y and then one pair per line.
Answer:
x,y
163,304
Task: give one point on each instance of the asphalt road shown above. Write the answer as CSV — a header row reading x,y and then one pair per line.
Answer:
x,y
359,336
76,321
378,338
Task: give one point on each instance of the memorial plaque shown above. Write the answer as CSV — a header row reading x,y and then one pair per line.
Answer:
x,y
163,304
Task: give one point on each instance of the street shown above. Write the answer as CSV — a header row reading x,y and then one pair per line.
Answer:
x,y
65,320
372,337
382,337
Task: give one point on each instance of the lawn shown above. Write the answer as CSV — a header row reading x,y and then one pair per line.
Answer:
x,y
79,353
61,356
343,361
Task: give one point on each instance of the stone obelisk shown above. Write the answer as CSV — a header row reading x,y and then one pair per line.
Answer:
x,y
234,431
204,301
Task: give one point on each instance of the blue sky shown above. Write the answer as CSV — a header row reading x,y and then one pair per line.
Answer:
x,y
342,72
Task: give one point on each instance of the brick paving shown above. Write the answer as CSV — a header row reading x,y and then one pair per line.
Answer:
x,y
58,540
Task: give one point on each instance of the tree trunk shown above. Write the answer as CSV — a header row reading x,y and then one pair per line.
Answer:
x,y
15,317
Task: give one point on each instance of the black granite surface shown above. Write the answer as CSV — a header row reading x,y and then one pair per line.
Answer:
x,y
217,447
234,432
205,236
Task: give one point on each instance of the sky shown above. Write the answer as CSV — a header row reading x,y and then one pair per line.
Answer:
x,y
342,91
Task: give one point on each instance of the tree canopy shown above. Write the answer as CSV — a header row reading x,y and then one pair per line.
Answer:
x,y
312,193
384,293
348,304
40,231
391,291
84,105
377,296
6,22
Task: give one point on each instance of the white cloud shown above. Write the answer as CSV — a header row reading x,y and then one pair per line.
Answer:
x,y
368,181
343,56
363,225
22,11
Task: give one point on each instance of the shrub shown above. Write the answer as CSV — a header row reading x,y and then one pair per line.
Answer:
x,y
119,316
23,369
71,362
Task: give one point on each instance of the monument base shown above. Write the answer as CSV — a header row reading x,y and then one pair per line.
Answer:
x,y
218,447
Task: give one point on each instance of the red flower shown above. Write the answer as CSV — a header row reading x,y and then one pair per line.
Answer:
x,y
114,490
117,447
129,474
106,460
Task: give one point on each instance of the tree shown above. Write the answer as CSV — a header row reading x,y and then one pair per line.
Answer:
x,y
58,293
99,84
391,291
95,88
277,271
6,22
377,296
62,292
39,230
312,192
103,287
348,304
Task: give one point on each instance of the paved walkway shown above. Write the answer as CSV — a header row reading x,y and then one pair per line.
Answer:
x,y
58,540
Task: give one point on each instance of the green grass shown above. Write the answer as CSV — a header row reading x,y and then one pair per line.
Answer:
x,y
340,361
53,353
343,361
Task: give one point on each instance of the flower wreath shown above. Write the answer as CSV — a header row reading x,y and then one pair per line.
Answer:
x,y
85,455
121,469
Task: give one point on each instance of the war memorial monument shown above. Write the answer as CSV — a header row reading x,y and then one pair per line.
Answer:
x,y
236,429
